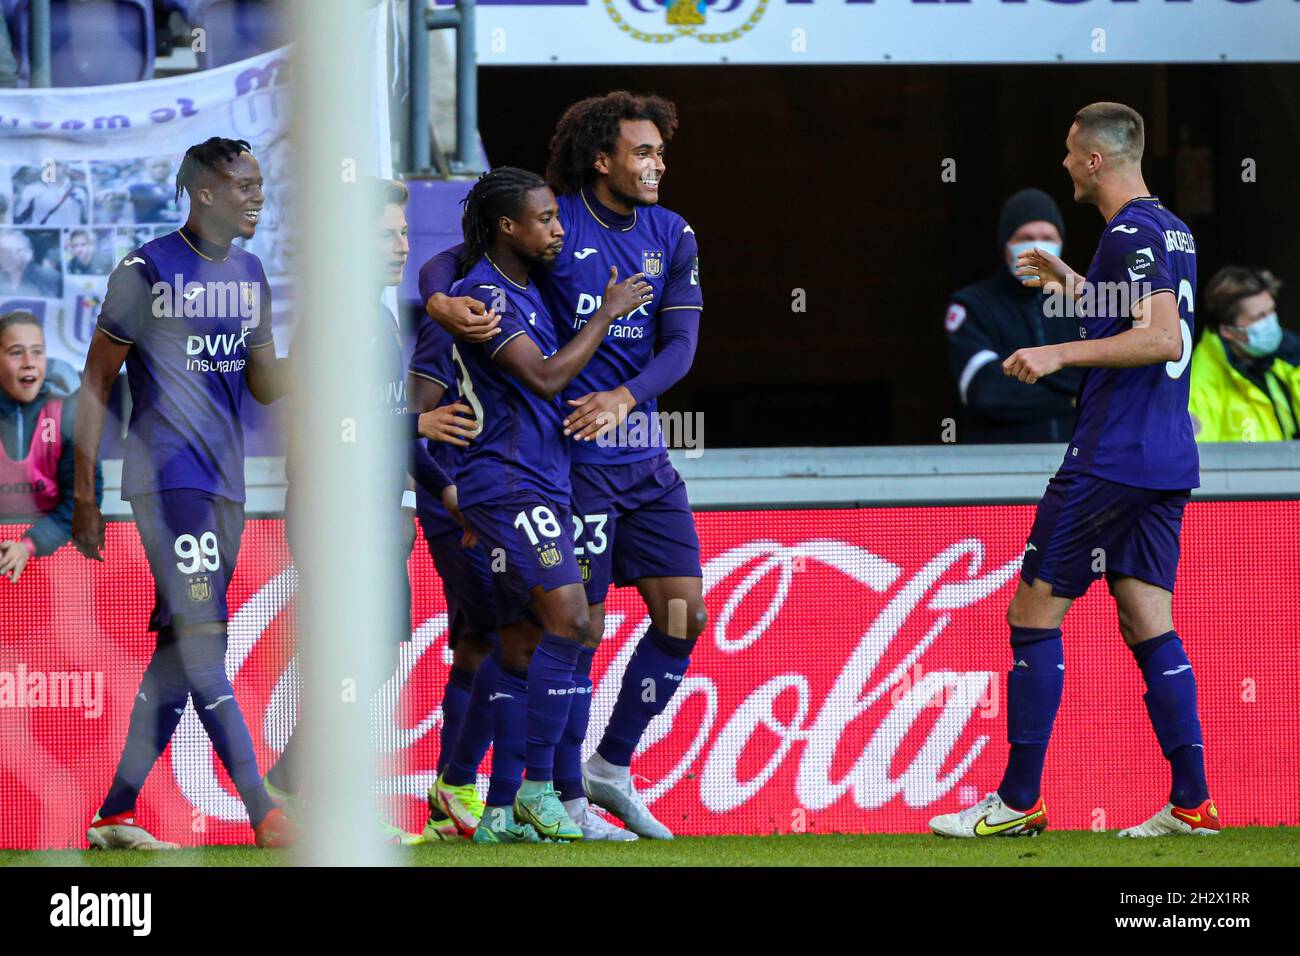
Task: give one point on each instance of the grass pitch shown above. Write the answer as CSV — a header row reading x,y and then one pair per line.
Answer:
x,y
1244,846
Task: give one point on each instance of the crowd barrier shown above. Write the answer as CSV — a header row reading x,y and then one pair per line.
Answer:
x,y
852,676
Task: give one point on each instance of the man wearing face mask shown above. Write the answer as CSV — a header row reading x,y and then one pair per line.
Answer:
x,y
989,320
1246,369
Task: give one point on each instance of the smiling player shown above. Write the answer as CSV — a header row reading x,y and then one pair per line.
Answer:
x,y
184,466
632,517
455,807
381,335
1115,506
514,489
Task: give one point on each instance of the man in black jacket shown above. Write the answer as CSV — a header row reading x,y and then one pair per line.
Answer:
x,y
989,320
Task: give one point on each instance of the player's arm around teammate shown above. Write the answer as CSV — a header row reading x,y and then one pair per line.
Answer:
x,y
564,610
596,413
547,377
463,317
452,424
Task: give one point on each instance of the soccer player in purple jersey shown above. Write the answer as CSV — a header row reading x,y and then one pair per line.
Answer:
x,y
514,490
455,806
190,314
632,518
1115,506
383,337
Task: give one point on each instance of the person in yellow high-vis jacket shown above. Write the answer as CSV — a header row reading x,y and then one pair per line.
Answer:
x,y
1246,369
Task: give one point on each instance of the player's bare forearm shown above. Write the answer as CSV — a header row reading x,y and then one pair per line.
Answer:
x,y
548,377
103,360
620,298
453,424
268,376
1129,349
577,352
423,394
1156,337
87,435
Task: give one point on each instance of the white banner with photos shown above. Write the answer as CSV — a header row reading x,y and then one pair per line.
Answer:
x,y
87,174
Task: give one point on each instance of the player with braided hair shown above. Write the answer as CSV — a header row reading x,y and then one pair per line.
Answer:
x,y
513,489
632,516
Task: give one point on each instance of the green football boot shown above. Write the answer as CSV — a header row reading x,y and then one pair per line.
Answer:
x,y
539,803
499,826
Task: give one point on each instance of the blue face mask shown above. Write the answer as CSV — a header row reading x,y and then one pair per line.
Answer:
x,y
1262,337
1018,247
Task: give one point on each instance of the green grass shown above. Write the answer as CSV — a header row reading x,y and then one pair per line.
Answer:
x,y
1246,846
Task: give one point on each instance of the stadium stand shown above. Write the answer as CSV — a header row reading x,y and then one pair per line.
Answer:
x,y
92,42
236,29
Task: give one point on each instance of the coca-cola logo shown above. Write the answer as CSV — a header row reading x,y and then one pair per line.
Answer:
x,y
849,680
762,572
815,725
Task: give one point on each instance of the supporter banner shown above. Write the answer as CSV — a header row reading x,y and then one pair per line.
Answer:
x,y
87,174
885,31
851,679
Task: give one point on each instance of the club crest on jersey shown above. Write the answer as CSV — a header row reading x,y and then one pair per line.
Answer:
x,y
584,564
200,589
548,555
652,262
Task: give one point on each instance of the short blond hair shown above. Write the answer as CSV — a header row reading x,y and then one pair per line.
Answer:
x,y
388,192
1115,129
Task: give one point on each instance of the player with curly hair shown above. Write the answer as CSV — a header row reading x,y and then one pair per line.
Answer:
x,y
632,519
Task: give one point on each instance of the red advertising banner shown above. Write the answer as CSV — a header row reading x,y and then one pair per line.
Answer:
x,y
851,679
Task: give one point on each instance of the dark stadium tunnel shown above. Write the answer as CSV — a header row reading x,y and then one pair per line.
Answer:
x,y
845,201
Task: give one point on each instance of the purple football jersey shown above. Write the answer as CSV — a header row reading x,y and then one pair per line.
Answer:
x,y
190,313
651,240
521,446
384,339
432,360
1133,426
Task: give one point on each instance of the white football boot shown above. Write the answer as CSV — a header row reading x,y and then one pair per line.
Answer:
x,y
991,817
120,832
1177,821
610,786
594,826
